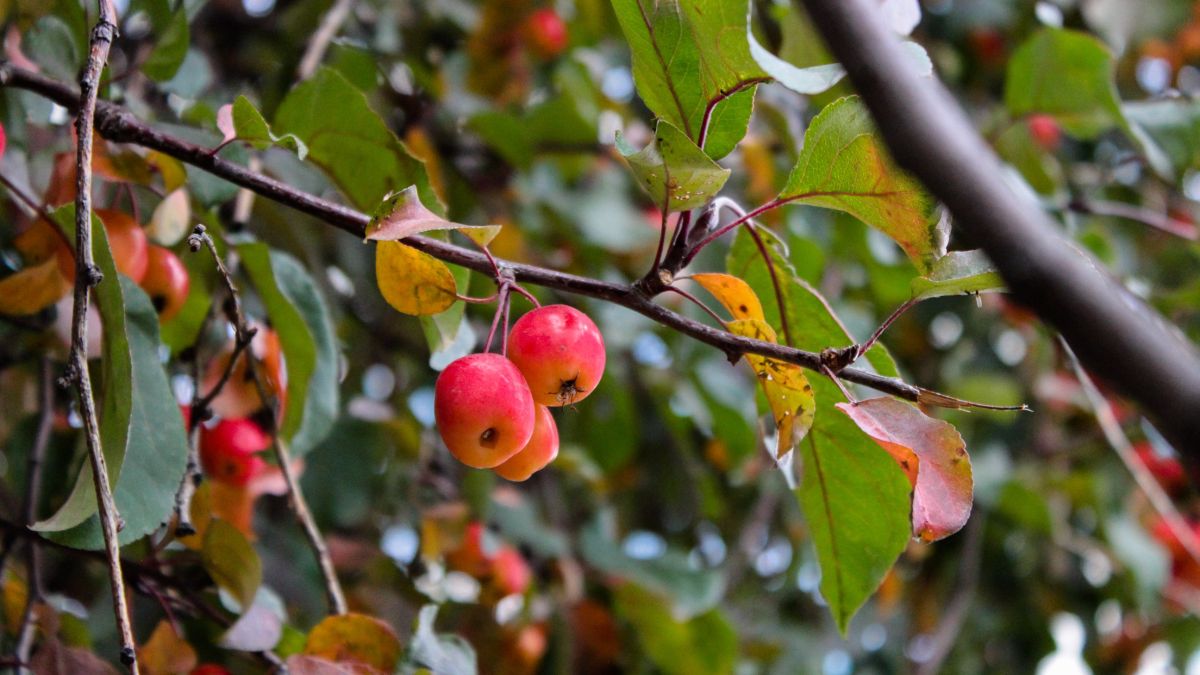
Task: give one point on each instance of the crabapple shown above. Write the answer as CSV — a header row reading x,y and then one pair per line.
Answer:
x,y
560,352
1045,132
541,449
229,450
470,557
166,281
546,32
127,241
209,669
484,409
510,573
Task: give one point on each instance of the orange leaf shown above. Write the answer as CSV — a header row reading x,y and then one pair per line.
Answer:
x,y
166,652
32,289
786,387
356,639
933,456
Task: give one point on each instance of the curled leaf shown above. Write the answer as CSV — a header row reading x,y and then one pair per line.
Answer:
x,y
411,281
785,385
933,456
402,215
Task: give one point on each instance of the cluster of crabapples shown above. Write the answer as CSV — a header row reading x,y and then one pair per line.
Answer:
x,y
493,410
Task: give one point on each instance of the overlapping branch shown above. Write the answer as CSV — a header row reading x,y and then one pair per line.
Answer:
x,y
1114,334
119,125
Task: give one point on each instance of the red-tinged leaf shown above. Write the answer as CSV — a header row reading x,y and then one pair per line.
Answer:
x,y
166,652
299,664
355,638
932,454
402,215
225,123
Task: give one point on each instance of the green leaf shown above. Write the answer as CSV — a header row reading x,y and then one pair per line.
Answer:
x,y
156,454
51,45
855,497
956,273
241,120
231,561
703,645
1066,74
688,56
439,652
674,168
300,317
115,398
1173,125
350,142
170,48
844,167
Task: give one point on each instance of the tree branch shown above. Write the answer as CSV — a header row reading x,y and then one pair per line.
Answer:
x,y
86,276
1111,331
119,125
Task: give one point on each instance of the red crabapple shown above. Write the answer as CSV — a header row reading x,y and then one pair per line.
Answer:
x,y
1045,132
546,32
541,449
229,451
166,281
510,573
560,352
484,409
126,240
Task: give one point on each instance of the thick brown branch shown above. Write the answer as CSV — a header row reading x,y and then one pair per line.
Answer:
x,y
119,125
86,276
1112,332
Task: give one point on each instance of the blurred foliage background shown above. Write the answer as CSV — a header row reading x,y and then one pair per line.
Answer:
x,y
664,538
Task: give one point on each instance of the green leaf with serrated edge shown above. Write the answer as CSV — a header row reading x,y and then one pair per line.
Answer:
x,y
855,497
687,56
156,454
844,167
300,317
231,561
170,48
956,273
439,652
241,120
401,214
350,142
1066,74
673,167
703,645
115,398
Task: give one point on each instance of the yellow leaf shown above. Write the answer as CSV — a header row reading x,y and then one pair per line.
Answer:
x,y
32,289
166,652
171,169
735,294
785,385
357,639
171,219
16,594
201,513
411,281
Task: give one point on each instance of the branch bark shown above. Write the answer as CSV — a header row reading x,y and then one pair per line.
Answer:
x,y
119,125
87,276
1112,332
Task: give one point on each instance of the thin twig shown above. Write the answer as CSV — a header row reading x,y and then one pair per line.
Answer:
x,y
1145,480
244,334
196,414
1159,221
86,276
33,493
326,31
119,125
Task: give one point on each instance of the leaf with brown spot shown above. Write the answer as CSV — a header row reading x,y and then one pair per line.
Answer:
x,y
357,639
732,292
932,454
411,281
785,386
